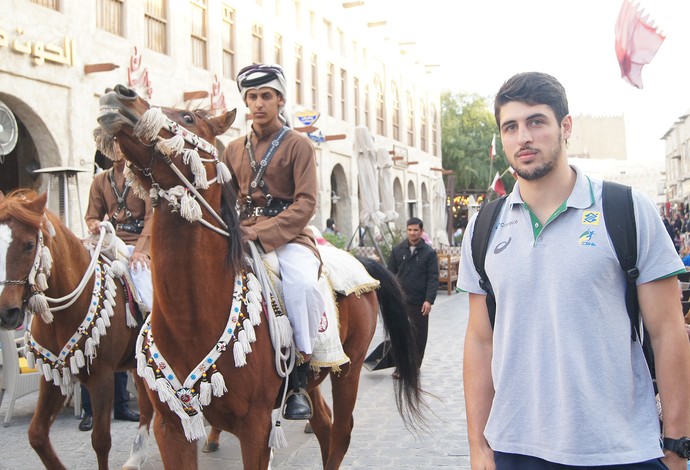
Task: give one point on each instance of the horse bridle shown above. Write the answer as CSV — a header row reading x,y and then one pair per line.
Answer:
x,y
149,127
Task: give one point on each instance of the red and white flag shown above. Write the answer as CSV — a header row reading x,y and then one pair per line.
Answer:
x,y
497,185
492,148
637,42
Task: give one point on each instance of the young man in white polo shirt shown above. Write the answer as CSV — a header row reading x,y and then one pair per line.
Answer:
x,y
558,382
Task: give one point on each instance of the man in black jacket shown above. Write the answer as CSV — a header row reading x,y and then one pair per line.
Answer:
x,y
416,265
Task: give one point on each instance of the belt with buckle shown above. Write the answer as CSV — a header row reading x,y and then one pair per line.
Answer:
x,y
273,209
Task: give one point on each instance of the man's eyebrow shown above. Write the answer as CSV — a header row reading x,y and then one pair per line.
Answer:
x,y
531,116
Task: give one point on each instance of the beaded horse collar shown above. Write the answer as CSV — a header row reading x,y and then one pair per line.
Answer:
x,y
185,398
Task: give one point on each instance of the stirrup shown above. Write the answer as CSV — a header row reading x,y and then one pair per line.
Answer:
x,y
303,401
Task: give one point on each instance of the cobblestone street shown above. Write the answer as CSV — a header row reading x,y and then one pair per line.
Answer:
x,y
379,439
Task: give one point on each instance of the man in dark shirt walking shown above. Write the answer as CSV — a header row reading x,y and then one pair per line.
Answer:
x,y
416,265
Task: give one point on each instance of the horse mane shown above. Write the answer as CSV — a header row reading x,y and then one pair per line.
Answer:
x,y
15,206
229,214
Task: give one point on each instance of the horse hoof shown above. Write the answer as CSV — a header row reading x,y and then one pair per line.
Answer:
x,y
210,447
308,429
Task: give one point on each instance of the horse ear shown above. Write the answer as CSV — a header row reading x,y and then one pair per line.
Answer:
x,y
223,122
38,205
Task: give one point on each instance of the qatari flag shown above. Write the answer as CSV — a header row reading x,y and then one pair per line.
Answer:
x,y
637,41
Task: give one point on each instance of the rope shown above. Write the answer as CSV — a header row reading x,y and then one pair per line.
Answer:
x,y
74,295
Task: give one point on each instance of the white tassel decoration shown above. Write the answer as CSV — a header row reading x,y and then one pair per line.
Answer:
x,y
90,347
131,321
46,260
110,298
108,308
150,377
198,170
244,341
118,268
47,372
205,390
223,174
110,284
41,281
101,326
249,328
95,336
194,427
218,384
277,439
171,146
254,314
57,378
190,209
30,360
49,227
38,304
105,318
73,365
79,358
164,389
240,356
141,363
253,283
66,376
150,124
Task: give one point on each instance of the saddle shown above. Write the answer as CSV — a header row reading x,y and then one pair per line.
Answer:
x,y
341,274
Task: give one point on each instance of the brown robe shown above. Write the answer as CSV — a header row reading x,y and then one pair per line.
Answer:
x,y
103,202
290,176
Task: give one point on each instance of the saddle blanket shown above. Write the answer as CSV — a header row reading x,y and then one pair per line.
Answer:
x,y
342,274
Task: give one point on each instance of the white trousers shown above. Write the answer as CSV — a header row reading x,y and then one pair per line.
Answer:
x,y
299,269
141,277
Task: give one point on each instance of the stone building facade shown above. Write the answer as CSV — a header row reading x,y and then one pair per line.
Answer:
x,y
58,56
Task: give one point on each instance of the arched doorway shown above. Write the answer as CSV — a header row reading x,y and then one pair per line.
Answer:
x,y
426,209
340,204
411,200
399,203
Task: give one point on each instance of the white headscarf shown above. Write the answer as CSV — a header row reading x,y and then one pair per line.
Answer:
x,y
257,76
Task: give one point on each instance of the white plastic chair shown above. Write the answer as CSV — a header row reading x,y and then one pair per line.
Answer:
x,y
15,382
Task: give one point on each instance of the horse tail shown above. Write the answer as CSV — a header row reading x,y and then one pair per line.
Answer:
x,y
399,331
235,258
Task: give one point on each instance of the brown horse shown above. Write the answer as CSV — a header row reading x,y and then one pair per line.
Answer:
x,y
195,265
41,260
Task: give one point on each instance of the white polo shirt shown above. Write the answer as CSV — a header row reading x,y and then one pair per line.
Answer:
x,y
571,386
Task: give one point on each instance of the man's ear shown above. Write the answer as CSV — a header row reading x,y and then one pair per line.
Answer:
x,y
567,126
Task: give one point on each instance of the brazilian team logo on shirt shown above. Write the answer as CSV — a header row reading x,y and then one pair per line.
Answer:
x,y
591,218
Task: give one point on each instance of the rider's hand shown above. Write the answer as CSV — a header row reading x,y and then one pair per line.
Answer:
x,y
248,233
94,226
139,260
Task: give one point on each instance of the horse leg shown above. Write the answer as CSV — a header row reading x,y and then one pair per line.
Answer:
x,y
253,435
344,389
321,422
139,451
176,451
101,388
212,441
50,401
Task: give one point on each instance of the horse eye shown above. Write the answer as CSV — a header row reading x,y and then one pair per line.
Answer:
x,y
188,118
29,246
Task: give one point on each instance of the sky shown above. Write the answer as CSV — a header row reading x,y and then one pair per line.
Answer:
x,y
481,43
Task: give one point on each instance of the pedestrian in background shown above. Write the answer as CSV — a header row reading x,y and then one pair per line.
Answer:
x,y
415,264
559,383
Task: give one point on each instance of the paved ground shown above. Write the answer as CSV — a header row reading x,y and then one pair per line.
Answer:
x,y
379,439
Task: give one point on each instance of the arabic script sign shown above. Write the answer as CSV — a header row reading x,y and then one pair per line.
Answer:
x,y
39,50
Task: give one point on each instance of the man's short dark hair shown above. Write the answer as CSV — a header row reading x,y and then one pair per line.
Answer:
x,y
532,88
415,221
330,222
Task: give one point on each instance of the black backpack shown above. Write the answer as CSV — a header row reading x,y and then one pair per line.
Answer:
x,y
619,216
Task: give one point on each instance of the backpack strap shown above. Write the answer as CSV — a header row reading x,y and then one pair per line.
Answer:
x,y
486,220
619,216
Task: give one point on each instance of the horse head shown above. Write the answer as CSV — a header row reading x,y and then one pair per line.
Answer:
x,y
22,228
163,145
